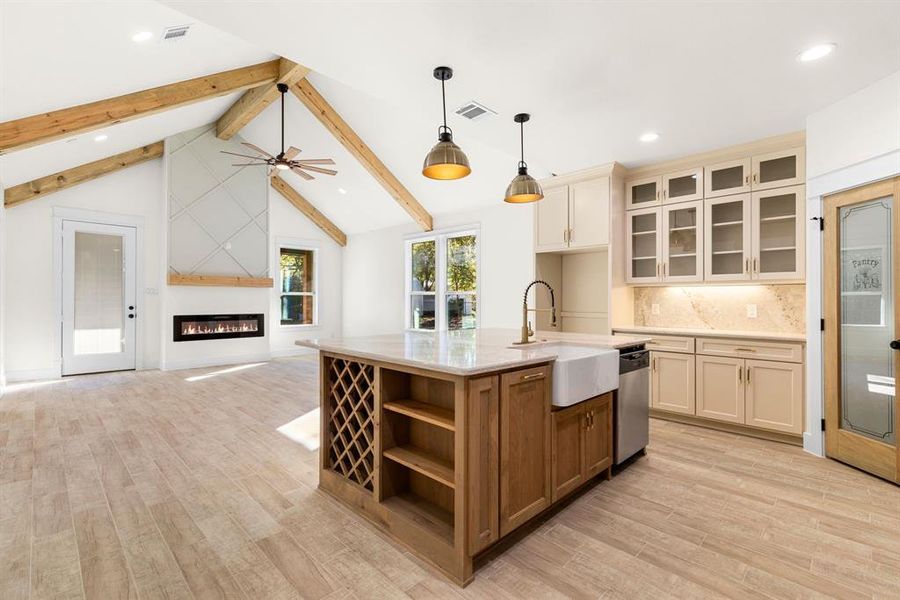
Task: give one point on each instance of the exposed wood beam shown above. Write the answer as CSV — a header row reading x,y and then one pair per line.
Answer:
x,y
304,206
256,100
314,101
220,281
44,186
66,122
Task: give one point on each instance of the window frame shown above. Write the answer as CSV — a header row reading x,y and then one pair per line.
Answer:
x,y
287,244
440,238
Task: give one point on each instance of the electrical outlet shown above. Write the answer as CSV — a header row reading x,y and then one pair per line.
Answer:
x,y
654,309
751,311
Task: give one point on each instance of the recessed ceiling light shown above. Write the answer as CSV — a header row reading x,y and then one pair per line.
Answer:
x,y
816,52
342,191
142,36
101,138
649,137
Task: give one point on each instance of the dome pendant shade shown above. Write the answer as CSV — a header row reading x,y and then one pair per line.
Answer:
x,y
523,188
446,160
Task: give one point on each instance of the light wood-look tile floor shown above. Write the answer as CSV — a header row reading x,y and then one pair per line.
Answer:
x,y
147,485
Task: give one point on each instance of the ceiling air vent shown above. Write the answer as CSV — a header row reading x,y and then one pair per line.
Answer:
x,y
474,111
173,34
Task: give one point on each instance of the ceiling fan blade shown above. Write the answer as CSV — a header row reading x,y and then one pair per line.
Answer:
x,y
242,155
256,164
315,161
257,149
291,153
317,170
302,174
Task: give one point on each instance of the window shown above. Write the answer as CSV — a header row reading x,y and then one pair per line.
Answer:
x,y
442,281
298,286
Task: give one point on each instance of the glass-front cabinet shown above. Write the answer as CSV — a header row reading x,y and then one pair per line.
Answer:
x,y
778,233
726,178
643,246
682,243
778,169
683,186
728,244
643,193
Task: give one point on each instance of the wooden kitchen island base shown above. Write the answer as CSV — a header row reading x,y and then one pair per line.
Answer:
x,y
448,464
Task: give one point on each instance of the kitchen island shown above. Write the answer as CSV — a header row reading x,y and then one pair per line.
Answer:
x,y
449,441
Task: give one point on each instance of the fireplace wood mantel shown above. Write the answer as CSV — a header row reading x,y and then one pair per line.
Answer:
x,y
220,281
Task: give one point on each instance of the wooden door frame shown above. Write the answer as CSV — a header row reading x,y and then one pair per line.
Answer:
x,y
867,454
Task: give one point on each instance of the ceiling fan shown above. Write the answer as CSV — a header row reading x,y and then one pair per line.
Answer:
x,y
284,160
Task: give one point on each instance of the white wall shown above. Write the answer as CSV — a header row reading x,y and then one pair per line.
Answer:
x,y
849,143
374,270
31,348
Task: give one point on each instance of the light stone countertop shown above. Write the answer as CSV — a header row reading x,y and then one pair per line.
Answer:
x,y
468,352
776,336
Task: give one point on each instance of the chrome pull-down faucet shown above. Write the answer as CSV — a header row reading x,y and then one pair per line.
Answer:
x,y
527,332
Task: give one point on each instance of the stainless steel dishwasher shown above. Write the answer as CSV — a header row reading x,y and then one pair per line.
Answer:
x,y
633,402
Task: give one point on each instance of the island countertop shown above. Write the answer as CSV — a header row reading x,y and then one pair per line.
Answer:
x,y
463,352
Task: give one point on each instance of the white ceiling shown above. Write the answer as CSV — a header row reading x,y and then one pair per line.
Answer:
x,y
593,75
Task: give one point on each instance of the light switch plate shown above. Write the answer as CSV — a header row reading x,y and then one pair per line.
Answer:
x,y
654,309
751,311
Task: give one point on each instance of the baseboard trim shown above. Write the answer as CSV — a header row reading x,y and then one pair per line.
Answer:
x,y
772,436
32,375
220,361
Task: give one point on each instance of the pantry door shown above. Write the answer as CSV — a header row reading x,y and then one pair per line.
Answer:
x,y
862,341
98,297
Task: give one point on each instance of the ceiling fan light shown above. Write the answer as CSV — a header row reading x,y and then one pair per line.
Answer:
x,y
282,166
446,161
523,189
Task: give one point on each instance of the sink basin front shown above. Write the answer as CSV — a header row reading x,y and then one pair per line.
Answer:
x,y
582,372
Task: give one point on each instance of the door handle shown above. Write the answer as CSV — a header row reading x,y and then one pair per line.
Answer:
x,y
895,344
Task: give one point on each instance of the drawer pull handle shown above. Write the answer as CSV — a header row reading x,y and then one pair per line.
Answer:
x,y
745,350
532,377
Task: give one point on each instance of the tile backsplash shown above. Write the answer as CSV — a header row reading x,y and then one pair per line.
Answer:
x,y
778,307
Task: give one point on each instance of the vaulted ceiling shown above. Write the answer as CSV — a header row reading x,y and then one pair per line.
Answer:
x,y
594,76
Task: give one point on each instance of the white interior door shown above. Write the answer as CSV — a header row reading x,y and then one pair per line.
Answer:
x,y
98,298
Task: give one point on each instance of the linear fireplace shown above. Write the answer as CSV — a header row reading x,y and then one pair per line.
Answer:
x,y
187,328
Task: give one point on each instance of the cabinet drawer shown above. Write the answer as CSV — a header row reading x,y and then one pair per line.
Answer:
x,y
755,349
671,343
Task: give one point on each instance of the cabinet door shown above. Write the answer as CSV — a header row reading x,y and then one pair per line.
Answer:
x,y
643,250
778,233
643,193
589,213
682,242
672,382
525,486
774,397
568,450
683,186
727,240
720,388
598,436
778,169
551,220
725,178
483,462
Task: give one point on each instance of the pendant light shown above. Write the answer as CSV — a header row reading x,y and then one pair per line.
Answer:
x,y
446,160
523,188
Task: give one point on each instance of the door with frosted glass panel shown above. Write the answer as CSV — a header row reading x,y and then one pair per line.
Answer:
x,y
862,342
98,298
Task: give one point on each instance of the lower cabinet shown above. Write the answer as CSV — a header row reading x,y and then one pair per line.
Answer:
x,y
672,382
524,446
773,396
582,443
720,388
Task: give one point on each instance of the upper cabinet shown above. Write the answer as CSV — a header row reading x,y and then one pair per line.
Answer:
x,y
734,220
573,216
680,186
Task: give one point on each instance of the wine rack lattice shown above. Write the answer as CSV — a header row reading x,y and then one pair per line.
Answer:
x,y
351,420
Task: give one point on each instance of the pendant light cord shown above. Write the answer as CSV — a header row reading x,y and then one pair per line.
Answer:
x,y
444,102
522,144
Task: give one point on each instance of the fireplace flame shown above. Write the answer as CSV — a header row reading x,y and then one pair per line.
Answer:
x,y
200,328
